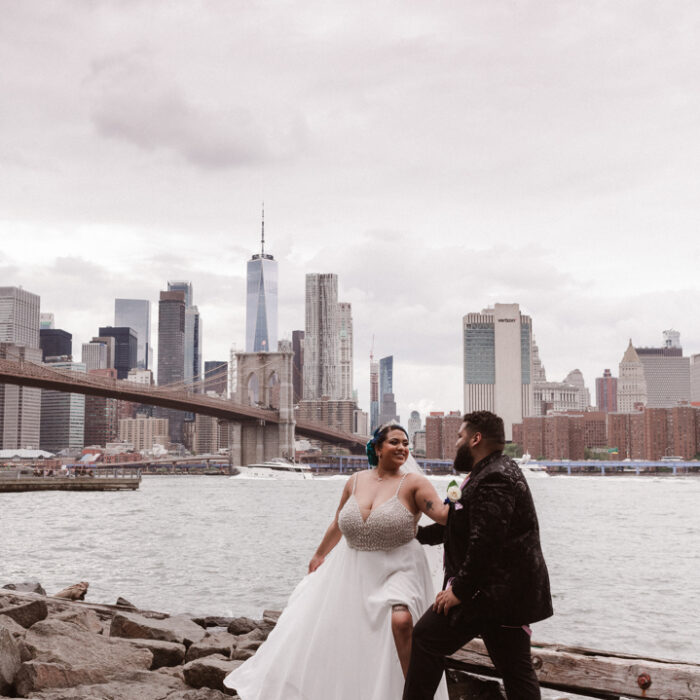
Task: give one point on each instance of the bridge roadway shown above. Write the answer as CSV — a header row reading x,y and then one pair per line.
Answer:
x,y
44,377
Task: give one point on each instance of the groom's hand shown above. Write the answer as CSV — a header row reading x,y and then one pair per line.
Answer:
x,y
444,601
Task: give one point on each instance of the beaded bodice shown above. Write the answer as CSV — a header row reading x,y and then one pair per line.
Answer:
x,y
388,526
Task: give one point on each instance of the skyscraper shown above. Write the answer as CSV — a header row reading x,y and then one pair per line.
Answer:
x,y
695,378
373,393
631,384
95,355
20,406
215,377
125,348
55,343
62,415
345,360
136,314
19,317
575,378
192,359
606,392
321,337
171,353
657,377
261,300
498,363
667,373
414,424
298,365
387,402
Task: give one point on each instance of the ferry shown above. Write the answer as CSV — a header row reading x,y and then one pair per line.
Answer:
x,y
530,466
276,468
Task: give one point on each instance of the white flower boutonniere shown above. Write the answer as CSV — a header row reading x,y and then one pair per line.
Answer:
x,y
454,493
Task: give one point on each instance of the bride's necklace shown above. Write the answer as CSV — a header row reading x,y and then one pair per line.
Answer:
x,y
379,478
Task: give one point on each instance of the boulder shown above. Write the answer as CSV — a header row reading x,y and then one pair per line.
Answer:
x,y
164,653
26,614
26,587
247,644
10,660
220,642
87,619
213,621
209,672
271,616
64,654
15,629
179,628
141,685
242,625
77,591
124,603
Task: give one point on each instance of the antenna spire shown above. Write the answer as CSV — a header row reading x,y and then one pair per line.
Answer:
x,y
262,240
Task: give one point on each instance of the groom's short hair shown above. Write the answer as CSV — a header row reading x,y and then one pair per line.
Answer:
x,y
489,425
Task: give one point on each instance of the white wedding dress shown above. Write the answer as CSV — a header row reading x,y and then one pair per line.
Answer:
x,y
334,640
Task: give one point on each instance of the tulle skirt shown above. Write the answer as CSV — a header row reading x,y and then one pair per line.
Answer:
x,y
334,640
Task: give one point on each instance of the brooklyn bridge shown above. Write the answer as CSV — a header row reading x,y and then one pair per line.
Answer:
x,y
264,431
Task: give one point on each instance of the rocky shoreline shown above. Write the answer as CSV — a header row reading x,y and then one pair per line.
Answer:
x,y
55,648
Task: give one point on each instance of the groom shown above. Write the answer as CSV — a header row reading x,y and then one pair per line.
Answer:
x,y
496,580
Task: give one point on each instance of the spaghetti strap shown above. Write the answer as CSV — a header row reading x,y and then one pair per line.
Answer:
x,y
400,484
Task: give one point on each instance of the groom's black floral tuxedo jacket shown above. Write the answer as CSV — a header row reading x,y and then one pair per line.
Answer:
x,y
492,547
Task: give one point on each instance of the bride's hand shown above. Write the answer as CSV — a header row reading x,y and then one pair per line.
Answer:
x,y
315,562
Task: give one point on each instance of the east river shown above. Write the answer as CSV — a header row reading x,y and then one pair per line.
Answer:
x,y
623,552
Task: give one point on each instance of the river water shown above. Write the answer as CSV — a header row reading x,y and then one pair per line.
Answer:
x,y
623,552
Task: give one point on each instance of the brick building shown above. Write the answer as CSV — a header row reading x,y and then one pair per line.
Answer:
x,y
441,434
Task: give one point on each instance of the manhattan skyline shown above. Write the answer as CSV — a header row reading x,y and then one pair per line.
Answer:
x,y
437,159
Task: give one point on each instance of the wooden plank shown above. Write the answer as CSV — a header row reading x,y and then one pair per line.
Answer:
x,y
599,673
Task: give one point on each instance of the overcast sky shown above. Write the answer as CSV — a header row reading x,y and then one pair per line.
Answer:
x,y
438,156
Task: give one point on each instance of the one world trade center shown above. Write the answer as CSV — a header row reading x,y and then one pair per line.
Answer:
x,y
261,300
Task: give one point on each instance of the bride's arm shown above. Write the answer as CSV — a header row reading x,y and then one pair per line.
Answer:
x,y
428,501
333,534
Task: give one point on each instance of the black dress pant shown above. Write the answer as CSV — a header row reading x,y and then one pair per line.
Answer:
x,y
436,636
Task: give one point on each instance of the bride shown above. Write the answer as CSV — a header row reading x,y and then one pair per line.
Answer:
x,y
346,631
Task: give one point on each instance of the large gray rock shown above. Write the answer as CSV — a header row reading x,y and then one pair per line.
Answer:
x,y
26,587
179,628
164,653
64,654
15,629
26,614
10,661
87,619
247,644
214,643
141,685
209,672
242,625
213,621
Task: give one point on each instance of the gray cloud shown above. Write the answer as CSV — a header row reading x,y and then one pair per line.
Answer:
x,y
135,102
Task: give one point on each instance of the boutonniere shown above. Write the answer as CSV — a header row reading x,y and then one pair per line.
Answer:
x,y
454,493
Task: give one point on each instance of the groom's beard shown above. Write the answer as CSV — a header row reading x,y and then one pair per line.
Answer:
x,y
464,459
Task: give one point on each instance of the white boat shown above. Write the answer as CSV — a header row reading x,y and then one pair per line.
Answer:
x,y
276,468
530,467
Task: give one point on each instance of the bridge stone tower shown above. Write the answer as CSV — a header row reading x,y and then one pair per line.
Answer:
x,y
265,380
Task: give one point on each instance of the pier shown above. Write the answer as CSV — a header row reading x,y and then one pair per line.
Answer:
x,y
594,673
107,480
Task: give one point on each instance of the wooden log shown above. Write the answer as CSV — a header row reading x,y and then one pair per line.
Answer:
x,y
595,673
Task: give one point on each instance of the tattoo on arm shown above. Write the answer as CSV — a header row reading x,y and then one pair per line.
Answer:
x,y
428,505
